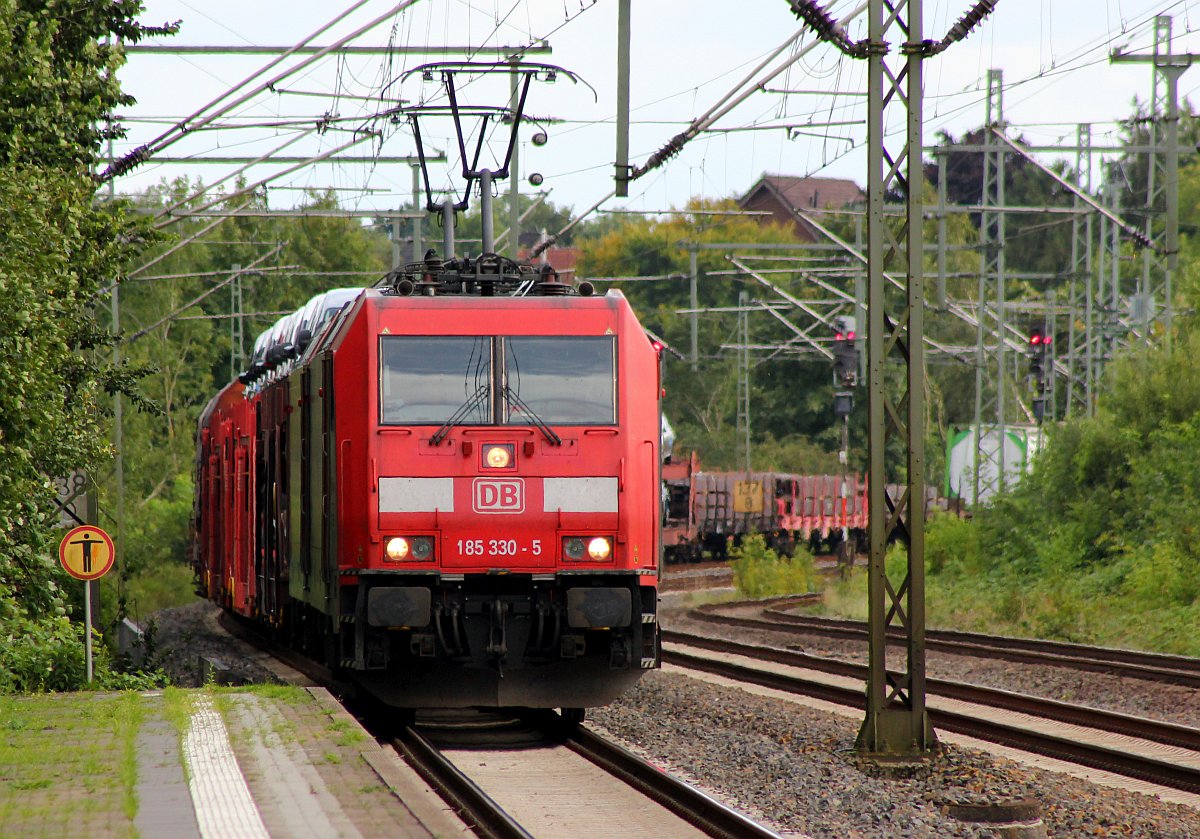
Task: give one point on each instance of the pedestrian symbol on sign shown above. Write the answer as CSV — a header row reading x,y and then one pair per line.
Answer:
x,y
87,541
87,552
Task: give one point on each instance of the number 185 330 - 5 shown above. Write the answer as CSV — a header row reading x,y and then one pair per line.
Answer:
x,y
499,547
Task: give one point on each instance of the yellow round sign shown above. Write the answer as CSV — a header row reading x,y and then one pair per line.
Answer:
x,y
87,553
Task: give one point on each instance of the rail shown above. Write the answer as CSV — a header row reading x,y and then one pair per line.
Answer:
x,y
685,801
1114,760
1158,667
473,805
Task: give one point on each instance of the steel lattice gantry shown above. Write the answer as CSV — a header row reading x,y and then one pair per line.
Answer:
x,y
897,721
1153,304
990,467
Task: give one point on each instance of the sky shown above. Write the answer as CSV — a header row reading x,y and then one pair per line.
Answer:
x,y
686,57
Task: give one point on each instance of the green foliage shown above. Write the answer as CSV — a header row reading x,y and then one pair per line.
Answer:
x,y
758,571
193,356
158,534
952,546
58,251
158,586
792,415
48,654
1099,543
1163,575
60,77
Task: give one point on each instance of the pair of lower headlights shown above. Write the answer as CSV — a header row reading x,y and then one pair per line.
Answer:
x,y
420,548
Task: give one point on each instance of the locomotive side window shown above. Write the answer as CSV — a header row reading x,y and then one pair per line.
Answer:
x,y
562,379
426,379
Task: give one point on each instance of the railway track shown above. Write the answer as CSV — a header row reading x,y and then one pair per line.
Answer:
x,y
445,749
1158,667
1160,753
517,777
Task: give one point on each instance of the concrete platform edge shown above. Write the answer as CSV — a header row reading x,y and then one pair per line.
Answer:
x,y
406,785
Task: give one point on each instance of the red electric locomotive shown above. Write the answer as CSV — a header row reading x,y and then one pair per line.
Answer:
x,y
450,489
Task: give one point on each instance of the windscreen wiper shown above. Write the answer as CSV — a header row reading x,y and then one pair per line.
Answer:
x,y
553,438
457,417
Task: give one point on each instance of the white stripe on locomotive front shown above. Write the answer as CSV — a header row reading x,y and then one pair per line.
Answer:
x,y
416,495
580,495
568,495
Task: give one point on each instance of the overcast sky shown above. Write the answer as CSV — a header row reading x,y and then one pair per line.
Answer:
x,y
686,57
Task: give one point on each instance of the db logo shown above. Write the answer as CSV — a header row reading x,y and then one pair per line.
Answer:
x,y
489,495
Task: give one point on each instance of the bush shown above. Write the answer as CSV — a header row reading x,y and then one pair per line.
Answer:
x,y
760,572
49,655
951,545
1163,575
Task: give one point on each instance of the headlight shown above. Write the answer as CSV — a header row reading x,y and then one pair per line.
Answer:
x,y
498,456
401,548
397,548
573,547
599,548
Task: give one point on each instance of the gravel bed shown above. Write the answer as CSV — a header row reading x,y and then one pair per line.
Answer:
x,y
790,766
184,636
794,767
1142,697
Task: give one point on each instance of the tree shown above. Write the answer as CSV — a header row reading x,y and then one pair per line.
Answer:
x,y
190,354
58,251
1035,243
791,394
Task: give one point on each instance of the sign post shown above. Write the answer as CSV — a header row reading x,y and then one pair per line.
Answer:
x,y
87,553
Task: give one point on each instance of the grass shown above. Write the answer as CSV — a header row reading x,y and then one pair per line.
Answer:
x,y
277,693
347,734
177,708
67,762
1080,606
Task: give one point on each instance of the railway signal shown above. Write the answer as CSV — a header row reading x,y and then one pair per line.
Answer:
x,y
1040,342
845,353
1039,345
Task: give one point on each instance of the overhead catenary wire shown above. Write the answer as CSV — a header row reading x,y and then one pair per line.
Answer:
x,y
167,138
732,99
722,107
235,173
191,275
250,188
249,269
1138,236
177,246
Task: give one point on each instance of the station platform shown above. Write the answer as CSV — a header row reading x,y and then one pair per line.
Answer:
x,y
296,765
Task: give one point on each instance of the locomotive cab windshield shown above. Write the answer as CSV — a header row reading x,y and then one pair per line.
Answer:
x,y
453,380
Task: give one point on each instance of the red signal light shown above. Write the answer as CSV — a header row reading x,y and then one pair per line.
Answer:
x,y
849,336
1047,339
839,336
657,345
1035,339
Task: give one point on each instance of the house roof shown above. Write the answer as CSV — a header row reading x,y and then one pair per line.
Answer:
x,y
561,260
806,193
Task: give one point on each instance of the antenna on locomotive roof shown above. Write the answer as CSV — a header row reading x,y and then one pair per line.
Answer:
x,y
523,76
